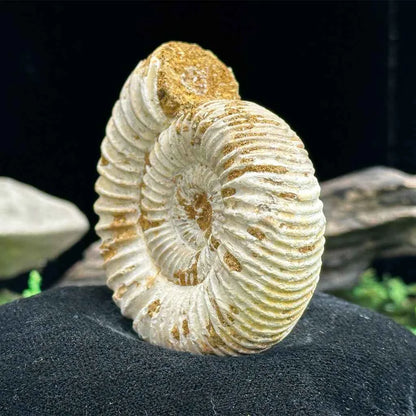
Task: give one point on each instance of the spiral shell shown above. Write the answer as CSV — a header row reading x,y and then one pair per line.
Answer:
x,y
210,218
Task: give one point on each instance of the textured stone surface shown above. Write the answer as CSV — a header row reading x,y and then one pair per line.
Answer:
x,y
371,214
87,272
69,351
34,227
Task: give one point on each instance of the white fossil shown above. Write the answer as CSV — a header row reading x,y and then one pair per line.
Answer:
x,y
210,218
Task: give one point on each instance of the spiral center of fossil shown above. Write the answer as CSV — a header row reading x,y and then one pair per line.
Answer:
x,y
193,206
198,209
183,211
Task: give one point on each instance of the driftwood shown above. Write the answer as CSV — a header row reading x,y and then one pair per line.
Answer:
x,y
371,214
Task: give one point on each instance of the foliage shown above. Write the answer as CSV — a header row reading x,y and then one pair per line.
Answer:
x,y
34,282
388,295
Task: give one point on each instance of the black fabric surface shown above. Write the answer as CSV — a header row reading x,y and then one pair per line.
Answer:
x,y
68,351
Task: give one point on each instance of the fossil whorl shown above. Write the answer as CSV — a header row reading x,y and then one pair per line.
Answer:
x,y
210,218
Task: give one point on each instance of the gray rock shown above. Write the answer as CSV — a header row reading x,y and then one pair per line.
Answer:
x,y
34,227
371,214
88,271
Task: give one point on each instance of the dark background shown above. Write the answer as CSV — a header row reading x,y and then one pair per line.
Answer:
x,y
342,74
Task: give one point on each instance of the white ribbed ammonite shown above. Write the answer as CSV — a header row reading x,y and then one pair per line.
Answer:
x,y
210,218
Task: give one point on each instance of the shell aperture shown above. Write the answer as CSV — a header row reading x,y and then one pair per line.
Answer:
x,y
210,218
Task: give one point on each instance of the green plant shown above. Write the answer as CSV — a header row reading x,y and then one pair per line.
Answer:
x,y
388,295
34,282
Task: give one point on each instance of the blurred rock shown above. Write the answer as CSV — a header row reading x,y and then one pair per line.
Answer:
x,y
370,214
7,296
88,271
34,227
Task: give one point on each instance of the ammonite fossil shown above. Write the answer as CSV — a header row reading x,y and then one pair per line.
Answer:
x,y
210,218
